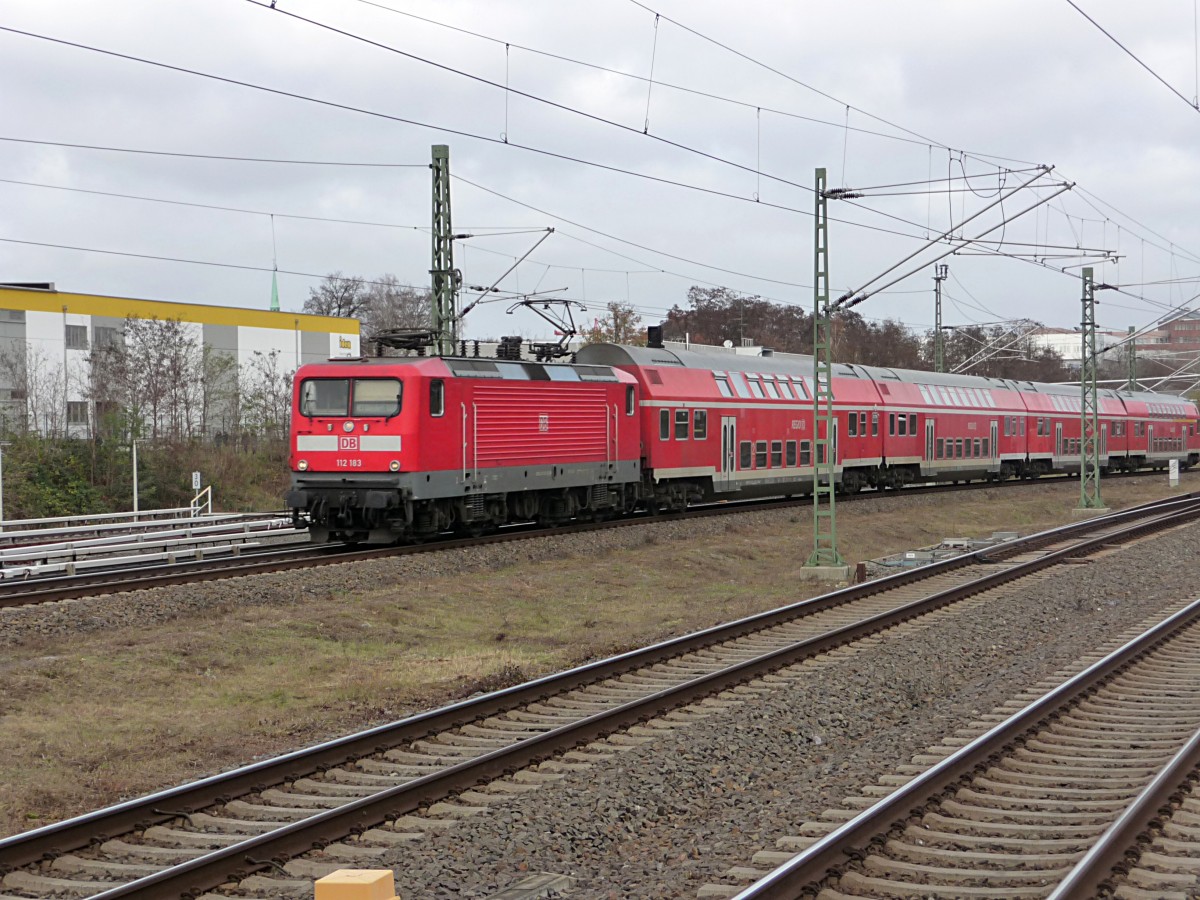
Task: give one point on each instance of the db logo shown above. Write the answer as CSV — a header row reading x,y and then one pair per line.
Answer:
x,y
543,422
348,442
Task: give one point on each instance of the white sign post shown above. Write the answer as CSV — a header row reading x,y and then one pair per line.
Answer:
x,y
1173,473
195,481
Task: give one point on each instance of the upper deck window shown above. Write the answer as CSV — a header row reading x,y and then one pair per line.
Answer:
x,y
350,396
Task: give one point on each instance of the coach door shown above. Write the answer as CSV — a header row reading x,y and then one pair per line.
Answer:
x,y
1058,447
928,439
728,453
1104,443
995,449
1150,448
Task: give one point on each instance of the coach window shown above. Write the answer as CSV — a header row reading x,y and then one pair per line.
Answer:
x,y
772,392
760,455
786,389
874,424
852,425
805,453
630,400
776,454
1021,424
755,388
976,454
903,432
377,397
791,453
958,448
912,424
985,447
664,424
892,424
941,448
862,424
723,387
682,421
744,455
700,425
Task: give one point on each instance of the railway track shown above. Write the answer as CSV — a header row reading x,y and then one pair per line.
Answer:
x,y
1077,793
258,562
358,795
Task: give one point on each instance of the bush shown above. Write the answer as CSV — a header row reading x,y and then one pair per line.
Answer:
x,y
68,477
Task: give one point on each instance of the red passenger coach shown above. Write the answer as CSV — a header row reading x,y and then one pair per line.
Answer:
x,y
399,448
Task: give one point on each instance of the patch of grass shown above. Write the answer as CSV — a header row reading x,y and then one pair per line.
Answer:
x,y
93,718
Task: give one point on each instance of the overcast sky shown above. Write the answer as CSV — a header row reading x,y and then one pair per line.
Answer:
x,y
928,89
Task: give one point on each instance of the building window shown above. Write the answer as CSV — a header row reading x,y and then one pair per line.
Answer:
x,y
76,337
700,425
77,412
106,337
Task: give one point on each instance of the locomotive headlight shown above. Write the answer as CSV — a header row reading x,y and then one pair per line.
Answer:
x,y
347,426
302,465
394,465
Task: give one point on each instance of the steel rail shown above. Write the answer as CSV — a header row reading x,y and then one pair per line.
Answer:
x,y
1116,845
195,572
831,854
72,833
220,865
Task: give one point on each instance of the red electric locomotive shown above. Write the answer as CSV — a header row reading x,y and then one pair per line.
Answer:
x,y
393,449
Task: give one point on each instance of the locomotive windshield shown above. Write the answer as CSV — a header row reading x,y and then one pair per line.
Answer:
x,y
350,397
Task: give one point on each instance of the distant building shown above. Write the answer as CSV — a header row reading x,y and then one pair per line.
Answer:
x,y
55,333
1068,343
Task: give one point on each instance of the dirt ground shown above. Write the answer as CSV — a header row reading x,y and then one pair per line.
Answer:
x,y
93,718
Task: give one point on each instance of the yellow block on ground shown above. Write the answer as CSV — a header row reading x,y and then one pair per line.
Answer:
x,y
357,884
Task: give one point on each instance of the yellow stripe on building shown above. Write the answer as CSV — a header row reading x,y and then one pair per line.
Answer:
x,y
125,307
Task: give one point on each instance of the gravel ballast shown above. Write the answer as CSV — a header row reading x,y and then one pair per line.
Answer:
x,y
666,818
147,607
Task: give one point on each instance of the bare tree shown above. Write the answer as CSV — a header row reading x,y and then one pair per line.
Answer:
x,y
266,391
620,324
390,305
337,295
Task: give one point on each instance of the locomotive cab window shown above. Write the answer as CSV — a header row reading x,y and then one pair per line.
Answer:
x,y
351,397
376,397
437,397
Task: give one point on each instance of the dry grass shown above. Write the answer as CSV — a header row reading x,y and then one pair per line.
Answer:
x,y
97,717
